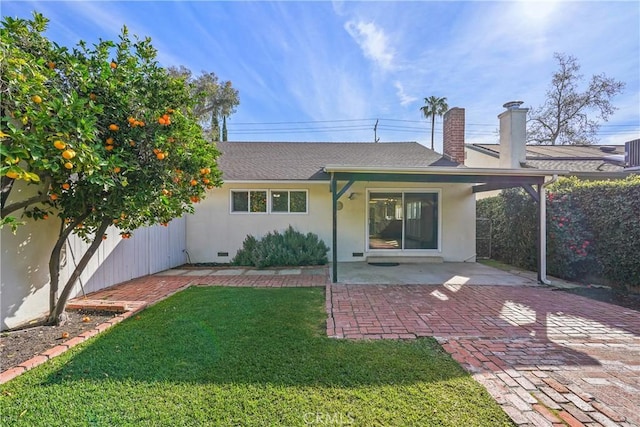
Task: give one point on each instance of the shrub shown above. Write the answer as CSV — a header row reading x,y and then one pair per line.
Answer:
x,y
570,252
513,227
592,229
290,248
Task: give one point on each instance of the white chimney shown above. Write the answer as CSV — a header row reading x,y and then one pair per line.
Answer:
x,y
513,135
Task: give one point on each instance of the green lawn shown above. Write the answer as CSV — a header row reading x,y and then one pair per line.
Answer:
x,y
245,357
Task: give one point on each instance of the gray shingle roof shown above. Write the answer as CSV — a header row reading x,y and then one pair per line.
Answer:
x,y
574,165
285,161
574,158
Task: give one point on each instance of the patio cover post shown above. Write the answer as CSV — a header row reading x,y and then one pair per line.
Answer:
x,y
542,235
334,208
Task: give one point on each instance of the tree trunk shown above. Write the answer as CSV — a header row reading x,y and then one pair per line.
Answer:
x,y
54,259
433,125
215,127
61,303
24,203
224,128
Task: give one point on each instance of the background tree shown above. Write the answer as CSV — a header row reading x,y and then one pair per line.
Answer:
x,y
563,118
107,135
433,107
216,100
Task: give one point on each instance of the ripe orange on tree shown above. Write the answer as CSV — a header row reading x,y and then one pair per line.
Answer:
x,y
113,65
59,145
51,64
68,165
12,174
114,127
109,141
37,99
68,154
66,186
160,155
109,147
53,196
193,183
116,169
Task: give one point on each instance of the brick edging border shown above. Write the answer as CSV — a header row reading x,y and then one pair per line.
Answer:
x,y
59,349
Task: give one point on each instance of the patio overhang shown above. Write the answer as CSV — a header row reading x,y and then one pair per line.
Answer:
x,y
479,179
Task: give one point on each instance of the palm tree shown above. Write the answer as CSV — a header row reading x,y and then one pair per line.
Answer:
x,y
433,107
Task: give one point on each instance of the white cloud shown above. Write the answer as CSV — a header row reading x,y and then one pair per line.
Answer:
x,y
405,99
373,42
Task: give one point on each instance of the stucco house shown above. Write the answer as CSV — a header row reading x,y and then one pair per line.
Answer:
x,y
399,201
395,201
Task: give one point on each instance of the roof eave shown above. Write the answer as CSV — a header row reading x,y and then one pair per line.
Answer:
x,y
451,171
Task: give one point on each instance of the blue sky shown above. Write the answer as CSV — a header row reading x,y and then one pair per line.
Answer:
x,y
326,71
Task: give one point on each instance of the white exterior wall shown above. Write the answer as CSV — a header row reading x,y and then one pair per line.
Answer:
x,y
212,228
476,159
24,268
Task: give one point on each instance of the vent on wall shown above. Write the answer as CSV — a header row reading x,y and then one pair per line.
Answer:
x,y
223,253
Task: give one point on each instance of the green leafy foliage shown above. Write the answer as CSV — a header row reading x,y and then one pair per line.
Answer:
x,y
592,229
107,135
290,248
109,131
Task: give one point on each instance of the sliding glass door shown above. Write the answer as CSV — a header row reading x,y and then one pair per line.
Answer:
x,y
403,220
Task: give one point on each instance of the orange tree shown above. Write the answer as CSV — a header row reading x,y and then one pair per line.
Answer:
x,y
106,135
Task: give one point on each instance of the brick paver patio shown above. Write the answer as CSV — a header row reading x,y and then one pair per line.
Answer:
x,y
548,358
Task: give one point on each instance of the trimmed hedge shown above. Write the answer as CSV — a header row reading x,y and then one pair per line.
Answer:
x,y
290,248
593,229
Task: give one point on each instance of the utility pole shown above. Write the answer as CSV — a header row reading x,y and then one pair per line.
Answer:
x,y
375,132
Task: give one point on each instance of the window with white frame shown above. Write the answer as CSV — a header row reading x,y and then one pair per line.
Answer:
x,y
272,201
254,201
288,201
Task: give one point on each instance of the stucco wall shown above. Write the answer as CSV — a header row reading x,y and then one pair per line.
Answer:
x,y
212,228
476,159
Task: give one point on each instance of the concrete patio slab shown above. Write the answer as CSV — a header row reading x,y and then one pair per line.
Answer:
x,y
229,272
198,272
172,272
261,272
456,273
289,271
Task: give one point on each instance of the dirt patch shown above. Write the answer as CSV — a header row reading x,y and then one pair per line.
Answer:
x,y
21,345
612,296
